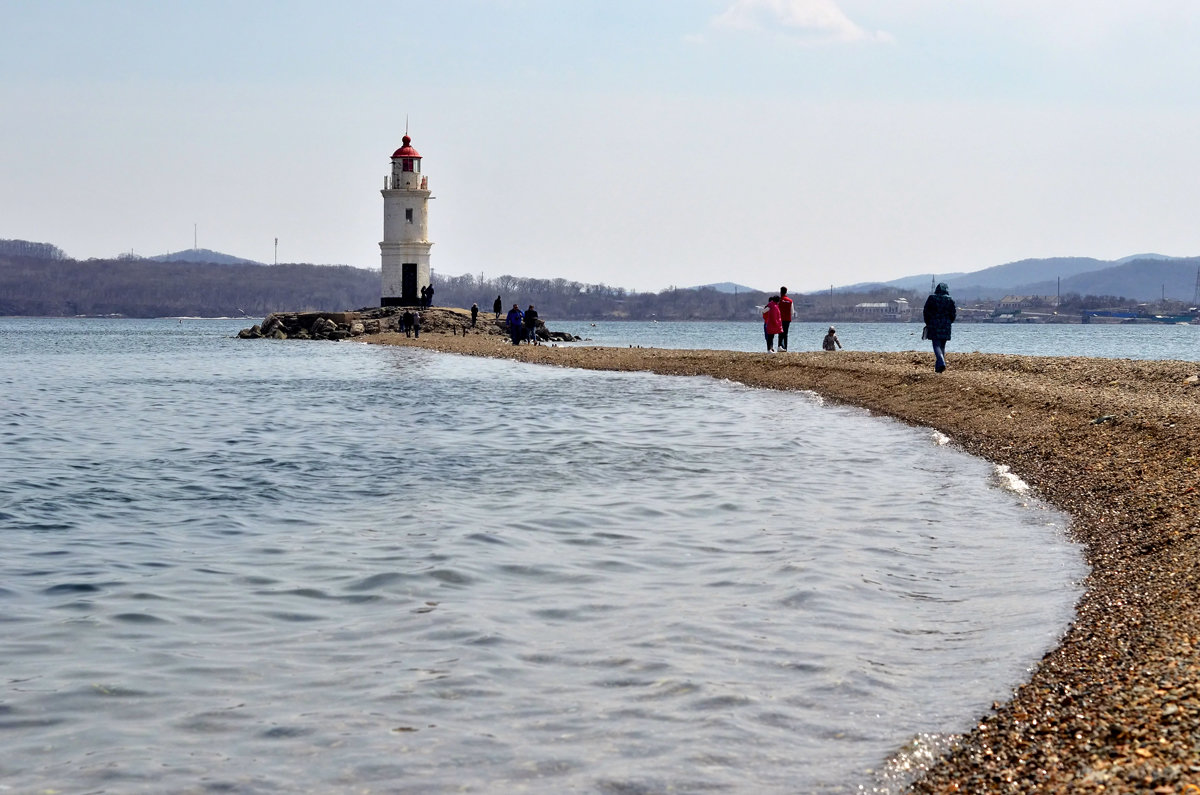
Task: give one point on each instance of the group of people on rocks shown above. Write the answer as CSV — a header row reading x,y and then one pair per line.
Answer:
x,y
939,315
521,325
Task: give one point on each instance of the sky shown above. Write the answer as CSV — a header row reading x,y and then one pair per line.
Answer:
x,y
637,143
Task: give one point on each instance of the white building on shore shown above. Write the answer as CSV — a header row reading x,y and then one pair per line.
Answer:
x,y
895,309
405,247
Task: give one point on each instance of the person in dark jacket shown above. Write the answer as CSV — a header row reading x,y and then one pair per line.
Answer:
x,y
531,318
516,324
940,314
429,296
474,314
497,307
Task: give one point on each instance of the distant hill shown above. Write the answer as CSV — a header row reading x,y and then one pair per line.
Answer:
x,y
1133,257
726,287
32,286
921,281
1143,277
204,255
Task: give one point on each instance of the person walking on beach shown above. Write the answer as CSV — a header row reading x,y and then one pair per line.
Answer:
x,y
416,325
831,341
531,318
497,306
516,324
940,313
406,322
474,314
785,314
772,322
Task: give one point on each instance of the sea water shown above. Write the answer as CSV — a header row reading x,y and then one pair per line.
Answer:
x,y
1111,341
261,566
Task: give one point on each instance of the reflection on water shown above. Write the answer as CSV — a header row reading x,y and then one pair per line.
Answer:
x,y
267,566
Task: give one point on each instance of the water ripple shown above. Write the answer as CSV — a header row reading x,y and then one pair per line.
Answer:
x,y
274,567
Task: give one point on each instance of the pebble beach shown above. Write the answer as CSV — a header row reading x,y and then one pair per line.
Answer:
x,y
1115,443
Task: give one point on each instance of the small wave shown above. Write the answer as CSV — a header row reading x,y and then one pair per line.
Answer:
x,y
940,439
1007,480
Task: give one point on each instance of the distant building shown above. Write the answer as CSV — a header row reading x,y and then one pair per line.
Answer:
x,y
405,247
895,309
1015,303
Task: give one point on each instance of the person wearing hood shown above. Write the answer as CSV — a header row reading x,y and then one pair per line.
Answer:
x,y
831,341
940,314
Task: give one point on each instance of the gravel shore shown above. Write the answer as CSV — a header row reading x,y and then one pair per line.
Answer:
x,y
1113,442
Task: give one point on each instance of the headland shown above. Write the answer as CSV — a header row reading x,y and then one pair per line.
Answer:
x,y
1115,443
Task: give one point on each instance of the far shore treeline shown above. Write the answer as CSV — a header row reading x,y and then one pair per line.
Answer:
x,y
37,280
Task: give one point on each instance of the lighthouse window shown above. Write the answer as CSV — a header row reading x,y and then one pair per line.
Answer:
x,y
407,164
408,214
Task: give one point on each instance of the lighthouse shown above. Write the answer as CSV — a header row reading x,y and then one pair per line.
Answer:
x,y
405,247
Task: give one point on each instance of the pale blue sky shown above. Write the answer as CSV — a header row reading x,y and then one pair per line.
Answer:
x,y
641,144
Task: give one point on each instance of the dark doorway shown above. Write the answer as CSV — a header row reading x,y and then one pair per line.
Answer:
x,y
408,283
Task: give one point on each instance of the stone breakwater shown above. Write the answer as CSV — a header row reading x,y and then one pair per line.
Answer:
x,y
1113,442
381,320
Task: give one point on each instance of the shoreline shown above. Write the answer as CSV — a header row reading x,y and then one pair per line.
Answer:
x,y
1114,443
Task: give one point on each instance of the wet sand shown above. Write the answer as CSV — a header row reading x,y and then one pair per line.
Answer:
x,y
1113,442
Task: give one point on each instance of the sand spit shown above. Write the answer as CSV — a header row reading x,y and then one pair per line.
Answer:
x,y
1113,442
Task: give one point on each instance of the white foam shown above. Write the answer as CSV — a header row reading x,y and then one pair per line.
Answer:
x,y
940,439
1008,480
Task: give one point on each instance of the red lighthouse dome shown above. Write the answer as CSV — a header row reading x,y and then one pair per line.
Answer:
x,y
406,150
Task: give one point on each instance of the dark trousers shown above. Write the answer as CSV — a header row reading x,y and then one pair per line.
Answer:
x,y
783,336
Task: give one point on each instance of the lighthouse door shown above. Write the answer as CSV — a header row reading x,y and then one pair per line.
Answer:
x,y
408,283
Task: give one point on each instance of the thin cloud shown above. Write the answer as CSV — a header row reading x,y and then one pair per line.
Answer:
x,y
807,20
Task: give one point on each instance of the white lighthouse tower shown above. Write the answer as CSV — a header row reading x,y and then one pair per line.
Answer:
x,y
405,246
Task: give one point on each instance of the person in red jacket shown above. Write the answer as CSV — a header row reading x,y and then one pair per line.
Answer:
x,y
785,312
772,322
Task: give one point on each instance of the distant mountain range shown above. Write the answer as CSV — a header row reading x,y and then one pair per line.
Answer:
x,y
1142,277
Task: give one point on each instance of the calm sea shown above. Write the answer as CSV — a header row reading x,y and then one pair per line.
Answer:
x,y
1110,341
329,567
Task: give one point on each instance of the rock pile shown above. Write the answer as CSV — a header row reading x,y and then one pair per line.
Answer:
x,y
378,320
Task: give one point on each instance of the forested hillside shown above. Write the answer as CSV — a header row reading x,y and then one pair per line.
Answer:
x,y
562,298
35,286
